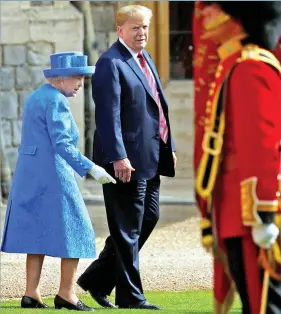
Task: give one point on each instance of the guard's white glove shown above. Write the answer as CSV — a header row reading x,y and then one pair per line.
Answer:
x,y
101,175
264,235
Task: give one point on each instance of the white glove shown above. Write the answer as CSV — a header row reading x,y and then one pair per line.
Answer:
x,y
101,175
264,235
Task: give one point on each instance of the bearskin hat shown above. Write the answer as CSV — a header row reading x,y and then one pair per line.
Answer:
x,y
277,50
260,19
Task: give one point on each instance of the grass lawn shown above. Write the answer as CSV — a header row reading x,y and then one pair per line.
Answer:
x,y
171,302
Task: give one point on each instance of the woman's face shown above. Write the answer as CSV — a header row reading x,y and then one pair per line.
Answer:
x,y
70,86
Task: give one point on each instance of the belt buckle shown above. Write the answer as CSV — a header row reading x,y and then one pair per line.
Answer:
x,y
218,141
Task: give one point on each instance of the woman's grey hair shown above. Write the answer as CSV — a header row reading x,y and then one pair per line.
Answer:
x,y
56,78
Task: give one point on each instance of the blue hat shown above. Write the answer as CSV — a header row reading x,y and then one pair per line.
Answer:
x,y
69,64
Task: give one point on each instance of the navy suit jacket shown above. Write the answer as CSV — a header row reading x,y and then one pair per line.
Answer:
x,y
127,116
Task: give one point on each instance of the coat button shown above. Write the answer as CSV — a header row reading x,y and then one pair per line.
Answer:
x,y
157,133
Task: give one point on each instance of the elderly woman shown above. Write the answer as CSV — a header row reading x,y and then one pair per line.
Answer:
x,y
46,214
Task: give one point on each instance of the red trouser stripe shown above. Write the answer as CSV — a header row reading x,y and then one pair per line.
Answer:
x,y
252,273
221,282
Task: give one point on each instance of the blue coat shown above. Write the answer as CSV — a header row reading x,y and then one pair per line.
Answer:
x,y
46,213
127,115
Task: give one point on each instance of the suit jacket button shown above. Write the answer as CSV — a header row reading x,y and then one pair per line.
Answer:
x,y
157,134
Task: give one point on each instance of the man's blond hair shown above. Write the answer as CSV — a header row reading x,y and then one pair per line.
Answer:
x,y
136,11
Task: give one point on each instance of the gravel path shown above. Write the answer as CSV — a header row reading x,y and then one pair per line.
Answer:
x,y
171,260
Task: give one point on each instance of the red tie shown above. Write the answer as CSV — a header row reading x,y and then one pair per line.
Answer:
x,y
163,128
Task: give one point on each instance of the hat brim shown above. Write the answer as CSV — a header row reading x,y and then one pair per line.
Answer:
x,y
89,70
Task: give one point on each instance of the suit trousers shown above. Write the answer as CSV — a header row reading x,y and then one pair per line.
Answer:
x,y
248,276
132,212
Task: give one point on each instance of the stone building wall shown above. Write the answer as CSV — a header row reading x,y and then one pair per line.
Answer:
x,y
21,71
104,22
29,34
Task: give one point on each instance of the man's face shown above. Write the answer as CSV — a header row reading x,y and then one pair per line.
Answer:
x,y
215,22
134,32
210,13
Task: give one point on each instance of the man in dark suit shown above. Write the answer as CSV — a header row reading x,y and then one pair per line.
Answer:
x,y
133,142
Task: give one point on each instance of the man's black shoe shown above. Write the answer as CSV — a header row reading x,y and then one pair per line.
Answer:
x,y
144,305
102,300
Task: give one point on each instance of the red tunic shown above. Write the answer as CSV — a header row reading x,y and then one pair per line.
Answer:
x,y
205,62
249,162
251,141
251,135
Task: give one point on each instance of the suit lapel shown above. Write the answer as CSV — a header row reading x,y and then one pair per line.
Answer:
x,y
132,63
129,59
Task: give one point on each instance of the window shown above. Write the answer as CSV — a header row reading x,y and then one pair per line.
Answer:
x,y
181,45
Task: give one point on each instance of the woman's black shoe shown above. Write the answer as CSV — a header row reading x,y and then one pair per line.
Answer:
x,y
80,306
30,303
